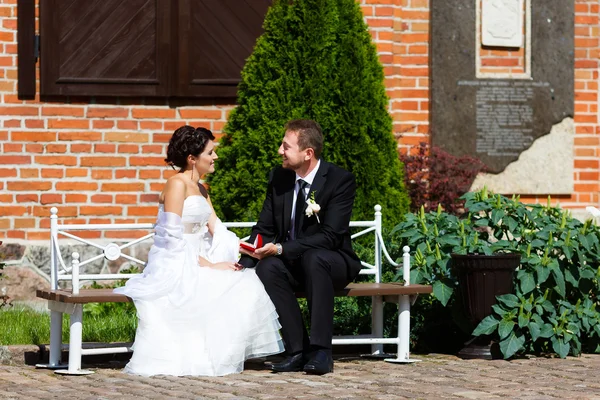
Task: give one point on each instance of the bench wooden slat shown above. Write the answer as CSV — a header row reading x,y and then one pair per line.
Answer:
x,y
84,296
353,289
383,289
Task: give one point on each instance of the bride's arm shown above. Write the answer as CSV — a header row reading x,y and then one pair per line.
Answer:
x,y
174,195
220,265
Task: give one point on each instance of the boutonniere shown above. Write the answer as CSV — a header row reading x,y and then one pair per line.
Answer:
x,y
312,207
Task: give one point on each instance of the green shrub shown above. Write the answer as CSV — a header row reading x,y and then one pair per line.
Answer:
x,y
315,60
553,308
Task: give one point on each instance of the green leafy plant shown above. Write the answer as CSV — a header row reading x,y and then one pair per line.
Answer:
x,y
554,305
315,60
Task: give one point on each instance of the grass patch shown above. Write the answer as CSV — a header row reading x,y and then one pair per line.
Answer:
x,y
23,325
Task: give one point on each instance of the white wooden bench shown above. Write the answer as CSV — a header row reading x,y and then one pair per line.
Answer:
x,y
69,301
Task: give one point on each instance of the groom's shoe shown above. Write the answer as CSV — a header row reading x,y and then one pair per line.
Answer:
x,y
321,363
290,364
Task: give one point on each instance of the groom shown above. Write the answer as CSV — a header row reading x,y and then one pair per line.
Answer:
x,y
308,252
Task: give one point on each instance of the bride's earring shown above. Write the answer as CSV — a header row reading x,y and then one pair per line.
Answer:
x,y
193,168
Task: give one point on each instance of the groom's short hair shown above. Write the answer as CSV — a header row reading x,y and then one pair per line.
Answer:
x,y
309,133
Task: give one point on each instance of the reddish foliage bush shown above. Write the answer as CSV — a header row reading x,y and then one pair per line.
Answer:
x,y
433,176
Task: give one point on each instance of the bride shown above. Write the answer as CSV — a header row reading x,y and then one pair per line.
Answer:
x,y
199,311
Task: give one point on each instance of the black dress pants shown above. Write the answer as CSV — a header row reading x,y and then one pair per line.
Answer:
x,y
318,273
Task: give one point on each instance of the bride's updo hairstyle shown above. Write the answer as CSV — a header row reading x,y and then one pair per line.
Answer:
x,y
185,141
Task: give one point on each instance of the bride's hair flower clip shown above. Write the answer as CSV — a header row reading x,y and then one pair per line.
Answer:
x,y
312,207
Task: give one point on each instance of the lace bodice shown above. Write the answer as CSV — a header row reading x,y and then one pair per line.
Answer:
x,y
196,212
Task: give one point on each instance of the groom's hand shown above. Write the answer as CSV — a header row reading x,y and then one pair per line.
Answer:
x,y
269,249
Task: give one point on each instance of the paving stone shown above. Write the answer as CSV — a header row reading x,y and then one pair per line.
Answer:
x,y
436,377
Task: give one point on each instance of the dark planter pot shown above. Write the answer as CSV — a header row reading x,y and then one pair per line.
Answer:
x,y
481,278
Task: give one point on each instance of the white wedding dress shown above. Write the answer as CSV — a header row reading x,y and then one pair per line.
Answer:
x,y
195,320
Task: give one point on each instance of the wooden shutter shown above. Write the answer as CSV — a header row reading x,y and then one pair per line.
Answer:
x,y
215,38
105,47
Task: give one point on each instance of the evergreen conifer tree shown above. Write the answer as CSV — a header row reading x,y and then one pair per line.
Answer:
x,y
315,60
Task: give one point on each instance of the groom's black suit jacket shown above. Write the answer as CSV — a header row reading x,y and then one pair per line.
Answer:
x,y
334,190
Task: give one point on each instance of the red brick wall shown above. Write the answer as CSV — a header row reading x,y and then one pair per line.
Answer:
x,y
102,161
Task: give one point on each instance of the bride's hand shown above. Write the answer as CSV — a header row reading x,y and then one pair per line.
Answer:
x,y
227,265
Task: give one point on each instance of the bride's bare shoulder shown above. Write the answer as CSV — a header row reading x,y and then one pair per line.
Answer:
x,y
175,187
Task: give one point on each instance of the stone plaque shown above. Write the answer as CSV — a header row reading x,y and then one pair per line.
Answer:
x,y
502,23
496,119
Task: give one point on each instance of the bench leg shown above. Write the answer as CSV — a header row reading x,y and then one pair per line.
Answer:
x,y
75,344
377,323
403,332
55,342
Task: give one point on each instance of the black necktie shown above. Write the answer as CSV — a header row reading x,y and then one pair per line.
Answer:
x,y
300,204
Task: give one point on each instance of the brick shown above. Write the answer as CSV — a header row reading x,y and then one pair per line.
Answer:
x,y
63,211
17,234
594,164
125,173
128,125
35,123
141,210
24,223
19,110
103,124
153,149
102,198
81,148
586,64
104,148
103,161
589,176
76,198
161,137
38,235
12,123
56,160
128,137
123,187
27,198
125,234
102,174
27,173
13,211
415,38
56,148
129,148
8,172
51,198
33,136
157,187
196,113
107,112
154,113
34,148
52,173
149,198
100,210
87,136
15,160
62,111
171,126
12,147
76,186
64,123
126,199
147,161
151,125
76,172
29,186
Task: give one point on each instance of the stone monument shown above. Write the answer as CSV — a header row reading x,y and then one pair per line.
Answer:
x,y
502,90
